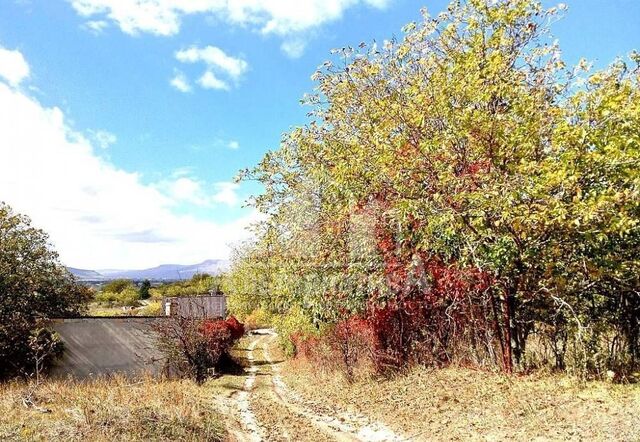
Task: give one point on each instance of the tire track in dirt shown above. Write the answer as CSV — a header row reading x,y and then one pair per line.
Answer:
x,y
261,416
265,408
277,420
232,420
254,433
343,426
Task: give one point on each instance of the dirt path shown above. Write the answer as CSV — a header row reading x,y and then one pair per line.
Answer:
x,y
248,418
267,409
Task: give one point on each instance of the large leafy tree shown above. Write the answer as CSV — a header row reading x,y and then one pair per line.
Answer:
x,y
467,151
34,287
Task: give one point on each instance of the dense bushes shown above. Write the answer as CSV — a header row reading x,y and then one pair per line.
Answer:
x,y
199,284
127,293
153,308
464,193
196,348
258,318
123,294
293,322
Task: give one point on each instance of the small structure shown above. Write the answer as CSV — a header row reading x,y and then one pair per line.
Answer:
x,y
212,305
99,346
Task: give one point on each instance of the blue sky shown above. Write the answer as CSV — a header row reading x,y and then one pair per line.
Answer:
x,y
159,160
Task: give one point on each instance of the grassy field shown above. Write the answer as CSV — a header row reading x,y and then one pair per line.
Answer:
x,y
116,409
422,405
462,404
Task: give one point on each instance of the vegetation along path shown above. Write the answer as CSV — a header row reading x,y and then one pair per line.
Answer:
x,y
265,408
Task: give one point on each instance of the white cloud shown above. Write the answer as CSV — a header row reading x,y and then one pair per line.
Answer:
x,y
217,63
103,138
163,17
96,27
158,17
182,171
13,67
226,193
187,189
98,216
293,48
214,58
180,82
227,143
210,81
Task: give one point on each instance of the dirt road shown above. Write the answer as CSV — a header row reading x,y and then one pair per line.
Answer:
x,y
262,407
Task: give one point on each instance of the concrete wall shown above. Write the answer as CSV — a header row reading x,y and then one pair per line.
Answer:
x,y
102,346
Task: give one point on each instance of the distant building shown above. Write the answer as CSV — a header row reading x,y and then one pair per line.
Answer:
x,y
212,305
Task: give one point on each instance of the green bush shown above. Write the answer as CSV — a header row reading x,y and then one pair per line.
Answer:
x,y
293,323
154,308
199,284
117,285
129,296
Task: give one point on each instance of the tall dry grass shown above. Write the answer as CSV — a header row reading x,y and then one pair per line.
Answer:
x,y
457,403
113,409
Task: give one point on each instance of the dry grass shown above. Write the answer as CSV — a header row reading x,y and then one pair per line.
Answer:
x,y
149,308
98,310
462,404
116,409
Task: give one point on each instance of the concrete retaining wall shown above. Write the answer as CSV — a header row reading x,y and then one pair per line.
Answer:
x,y
102,346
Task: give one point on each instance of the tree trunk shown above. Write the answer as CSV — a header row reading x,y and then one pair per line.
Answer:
x,y
506,353
508,318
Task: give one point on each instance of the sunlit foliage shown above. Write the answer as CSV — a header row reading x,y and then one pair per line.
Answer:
x,y
34,287
468,187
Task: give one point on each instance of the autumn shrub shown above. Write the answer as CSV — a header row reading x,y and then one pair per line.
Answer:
x,y
350,347
197,348
235,327
355,345
387,339
258,318
290,326
307,346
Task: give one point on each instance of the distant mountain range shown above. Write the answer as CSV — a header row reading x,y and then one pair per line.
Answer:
x,y
161,272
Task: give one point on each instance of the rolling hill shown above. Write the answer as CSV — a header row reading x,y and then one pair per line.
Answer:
x,y
161,272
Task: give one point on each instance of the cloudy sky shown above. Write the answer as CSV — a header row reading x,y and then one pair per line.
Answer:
x,y
123,122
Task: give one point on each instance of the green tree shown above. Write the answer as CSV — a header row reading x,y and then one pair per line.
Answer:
x,y
34,287
468,147
144,289
117,286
